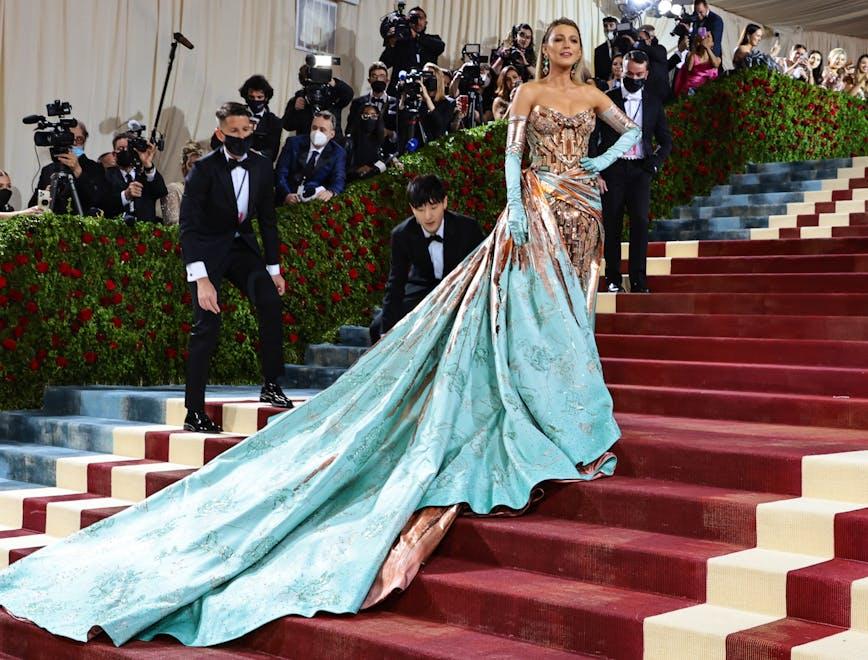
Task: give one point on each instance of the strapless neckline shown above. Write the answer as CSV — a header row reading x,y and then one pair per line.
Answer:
x,y
538,106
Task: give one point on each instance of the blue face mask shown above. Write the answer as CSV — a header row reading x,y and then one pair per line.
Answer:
x,y
78,152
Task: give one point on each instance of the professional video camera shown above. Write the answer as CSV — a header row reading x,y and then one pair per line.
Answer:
x,y
55,135
410,87
471,74
397,25
317,90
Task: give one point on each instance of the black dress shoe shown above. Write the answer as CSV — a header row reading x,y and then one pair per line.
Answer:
x,y
199,422
274,396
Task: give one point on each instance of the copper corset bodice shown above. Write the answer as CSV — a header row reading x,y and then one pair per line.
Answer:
x,y
556,142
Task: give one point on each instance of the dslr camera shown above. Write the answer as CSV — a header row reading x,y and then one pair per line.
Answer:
x,y
410,87
317,90
684,26
56,135
397,25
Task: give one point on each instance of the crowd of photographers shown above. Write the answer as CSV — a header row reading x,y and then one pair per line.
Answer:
x,y
410,100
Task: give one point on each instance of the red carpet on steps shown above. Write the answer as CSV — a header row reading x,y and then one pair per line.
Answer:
x,y
740,387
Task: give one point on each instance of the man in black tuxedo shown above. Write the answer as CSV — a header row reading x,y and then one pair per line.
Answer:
x,y
378,79
425,248
223,192
627,182
128,191
604,53
89,178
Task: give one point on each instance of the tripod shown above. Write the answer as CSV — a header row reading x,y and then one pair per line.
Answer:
x,y
408,132
61,180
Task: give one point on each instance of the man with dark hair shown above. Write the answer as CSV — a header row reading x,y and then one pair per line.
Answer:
x,y
604,53
130,191
419,49
387,106
333,98
224,191
627,182
312,166
703,17
256,93
426,247
89,177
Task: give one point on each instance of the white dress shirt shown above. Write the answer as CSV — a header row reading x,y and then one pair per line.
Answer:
x,y
318,189
241,186
633,109
131,176
435,249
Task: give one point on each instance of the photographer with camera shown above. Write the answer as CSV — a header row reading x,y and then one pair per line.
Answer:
x,y
6,210
134,187
605,52
702,17
517,52
407,44
472,88
387,106
71,173
425,113
312,166
256,93
320,92
658,76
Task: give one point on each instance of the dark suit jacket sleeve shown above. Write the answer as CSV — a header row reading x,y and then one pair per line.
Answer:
x,y
387,57
433,46
477,234
191,218
274,130
352,115
267,217
343,95
339,172
294,119
600,62
155,189
663,136
284,164
111,196
393,300
717,34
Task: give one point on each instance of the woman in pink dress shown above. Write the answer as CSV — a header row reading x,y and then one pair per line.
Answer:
x,y
700,66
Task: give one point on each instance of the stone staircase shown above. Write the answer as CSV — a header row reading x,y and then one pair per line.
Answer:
x,y
735,526
771,190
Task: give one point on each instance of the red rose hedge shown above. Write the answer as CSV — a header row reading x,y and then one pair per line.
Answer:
x,y
85,300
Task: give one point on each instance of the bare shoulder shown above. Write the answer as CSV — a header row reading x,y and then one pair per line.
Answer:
x,y
597,98
525,98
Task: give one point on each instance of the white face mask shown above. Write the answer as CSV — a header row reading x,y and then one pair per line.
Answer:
x,y
318,139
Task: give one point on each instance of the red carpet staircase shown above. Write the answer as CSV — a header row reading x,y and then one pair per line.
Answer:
x,y
736,527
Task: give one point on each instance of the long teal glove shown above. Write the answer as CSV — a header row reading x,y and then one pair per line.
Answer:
x,y
516,219
630,135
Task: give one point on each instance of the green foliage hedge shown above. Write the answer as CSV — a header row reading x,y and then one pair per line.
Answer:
x,y
86,300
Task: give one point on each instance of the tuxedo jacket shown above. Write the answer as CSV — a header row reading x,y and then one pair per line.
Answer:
x,y
603,61
330,171
654,127
412,273
146,205
209,212
90,186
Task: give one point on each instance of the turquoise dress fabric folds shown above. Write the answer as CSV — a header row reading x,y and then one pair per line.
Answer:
x,y
490,386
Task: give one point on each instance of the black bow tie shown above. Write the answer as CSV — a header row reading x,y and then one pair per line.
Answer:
x,y
434,237
232,163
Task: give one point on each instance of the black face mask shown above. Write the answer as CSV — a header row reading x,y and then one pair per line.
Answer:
x,y
369,124
378,86
256,106
5,196
238,146
633,85
124,158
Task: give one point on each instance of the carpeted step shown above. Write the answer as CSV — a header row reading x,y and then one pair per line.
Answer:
x,y
671,565
742,406
814,246
822,592
843,263
565,614
807,304
760,283
748,456
729,325
730,209
354,335
849,354
775,379
683,509
856,231
777,640
795,166
297,376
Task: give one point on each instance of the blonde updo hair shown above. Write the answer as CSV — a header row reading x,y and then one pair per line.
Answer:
x,y
580,72
192,148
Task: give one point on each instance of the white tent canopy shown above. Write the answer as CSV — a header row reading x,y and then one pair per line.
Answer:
x,y
846,18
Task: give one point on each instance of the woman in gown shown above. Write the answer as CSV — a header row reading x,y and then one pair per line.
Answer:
x,y
489,387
